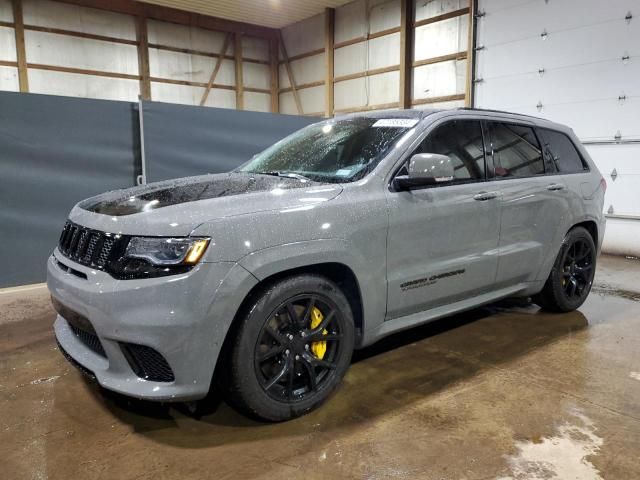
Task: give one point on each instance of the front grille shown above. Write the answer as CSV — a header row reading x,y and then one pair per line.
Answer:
x,y
147,363
85,246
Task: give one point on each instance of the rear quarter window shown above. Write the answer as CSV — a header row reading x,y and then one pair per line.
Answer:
x,y
560,153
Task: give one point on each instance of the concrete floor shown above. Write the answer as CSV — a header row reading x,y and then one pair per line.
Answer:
x,y
502,392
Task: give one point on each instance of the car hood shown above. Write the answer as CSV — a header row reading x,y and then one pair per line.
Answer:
x,y
176,207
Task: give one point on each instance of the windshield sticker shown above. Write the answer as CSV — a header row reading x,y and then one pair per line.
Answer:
x,y
343,172
396,122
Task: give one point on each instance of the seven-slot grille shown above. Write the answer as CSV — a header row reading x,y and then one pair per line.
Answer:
x,y
85,246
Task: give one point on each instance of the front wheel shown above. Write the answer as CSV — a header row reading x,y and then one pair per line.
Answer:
x,y
570,280
292,347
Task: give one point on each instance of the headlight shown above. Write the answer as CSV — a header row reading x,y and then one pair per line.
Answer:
x,y
167,251
148,257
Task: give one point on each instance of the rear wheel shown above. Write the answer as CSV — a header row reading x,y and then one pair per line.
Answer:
x,y
292,348
571,278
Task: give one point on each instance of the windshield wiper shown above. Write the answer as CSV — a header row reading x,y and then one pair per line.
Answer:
x,y
276,173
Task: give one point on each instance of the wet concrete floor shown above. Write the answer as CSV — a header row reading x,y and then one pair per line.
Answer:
x,y
502,392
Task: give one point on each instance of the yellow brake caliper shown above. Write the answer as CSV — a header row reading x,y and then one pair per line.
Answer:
x,y
318,348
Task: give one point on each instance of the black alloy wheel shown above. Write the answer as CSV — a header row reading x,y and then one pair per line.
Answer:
x,y
577,269
297,347
571,277
289,348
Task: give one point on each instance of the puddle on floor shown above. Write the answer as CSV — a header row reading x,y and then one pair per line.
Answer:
x,y
562,456
604,289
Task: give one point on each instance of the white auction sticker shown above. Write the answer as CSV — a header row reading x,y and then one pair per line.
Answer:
x,y
396,122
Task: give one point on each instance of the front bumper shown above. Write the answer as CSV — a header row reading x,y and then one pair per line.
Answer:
x,y
183,317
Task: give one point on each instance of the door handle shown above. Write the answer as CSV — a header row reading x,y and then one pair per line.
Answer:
x,y
555,187
484,196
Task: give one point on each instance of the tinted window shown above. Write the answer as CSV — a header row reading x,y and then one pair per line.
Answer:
x,y
516,151
560,153
461,141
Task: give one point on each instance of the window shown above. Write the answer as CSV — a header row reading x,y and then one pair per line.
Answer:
x,y
560,153
333,151
515,150
461,141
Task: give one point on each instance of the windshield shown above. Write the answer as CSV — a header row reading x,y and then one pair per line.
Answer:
x,y
333,151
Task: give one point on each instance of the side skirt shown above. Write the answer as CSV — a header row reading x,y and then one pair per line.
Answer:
x,y
409,321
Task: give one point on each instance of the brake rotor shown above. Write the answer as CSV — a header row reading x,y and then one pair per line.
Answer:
x,y
319,349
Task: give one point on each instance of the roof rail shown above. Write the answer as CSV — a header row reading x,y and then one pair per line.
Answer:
x,y
499,111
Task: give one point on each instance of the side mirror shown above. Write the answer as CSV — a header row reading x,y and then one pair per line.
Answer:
x,y
425,169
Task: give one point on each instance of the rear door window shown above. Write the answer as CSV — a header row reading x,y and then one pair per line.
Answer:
x,y
515,150
560,153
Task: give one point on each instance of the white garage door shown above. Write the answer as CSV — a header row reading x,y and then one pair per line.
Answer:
x,y
576,62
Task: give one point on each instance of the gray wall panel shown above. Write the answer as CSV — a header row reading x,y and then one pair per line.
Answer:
x,y
183,140
55,151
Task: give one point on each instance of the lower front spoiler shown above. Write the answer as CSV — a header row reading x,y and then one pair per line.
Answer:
x,y
84,370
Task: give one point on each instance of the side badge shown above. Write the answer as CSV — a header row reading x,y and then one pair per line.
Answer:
x,y
425,282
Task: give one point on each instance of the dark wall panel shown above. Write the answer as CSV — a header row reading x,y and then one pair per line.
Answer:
x,y
181,141
55,151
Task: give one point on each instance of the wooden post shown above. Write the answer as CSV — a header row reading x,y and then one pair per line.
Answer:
x,y
21,52
406,52
292,81
216,69
275,75
239,79
143,58
468,97
329,30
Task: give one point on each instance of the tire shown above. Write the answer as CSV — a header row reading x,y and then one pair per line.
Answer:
x,y
571,277
279,367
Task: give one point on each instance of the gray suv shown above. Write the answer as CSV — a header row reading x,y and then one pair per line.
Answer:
x,y
262,281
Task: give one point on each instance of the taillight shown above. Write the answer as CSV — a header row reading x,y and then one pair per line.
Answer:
x,y
603,184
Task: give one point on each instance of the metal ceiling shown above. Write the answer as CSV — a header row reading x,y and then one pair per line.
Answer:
x,y
268,13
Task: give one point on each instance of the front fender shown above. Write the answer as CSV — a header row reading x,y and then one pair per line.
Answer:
x,y
370,275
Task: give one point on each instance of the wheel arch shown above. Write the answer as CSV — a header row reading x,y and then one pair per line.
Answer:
x,y
591,227
339,273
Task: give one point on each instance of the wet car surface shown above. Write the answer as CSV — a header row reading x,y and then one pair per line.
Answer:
x,y
505,391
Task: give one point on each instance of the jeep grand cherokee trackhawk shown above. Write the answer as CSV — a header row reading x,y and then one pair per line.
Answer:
x,y
344,232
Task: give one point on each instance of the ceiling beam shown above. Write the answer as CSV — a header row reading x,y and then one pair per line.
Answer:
x,y
166,14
